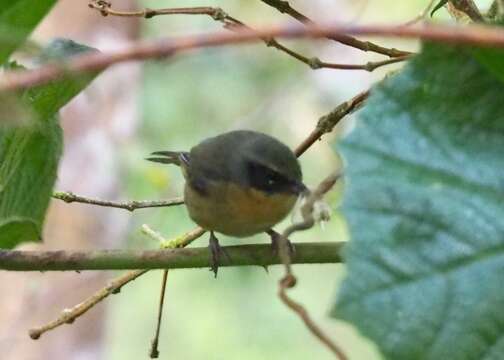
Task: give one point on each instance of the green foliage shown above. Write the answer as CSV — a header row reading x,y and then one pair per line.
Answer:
x,y
18,18
425,206
492,59
30,151
29,159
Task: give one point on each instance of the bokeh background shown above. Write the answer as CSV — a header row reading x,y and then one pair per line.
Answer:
x,y
133,109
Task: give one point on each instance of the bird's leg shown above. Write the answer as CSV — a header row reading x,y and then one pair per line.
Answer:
x,y
216,253
275,243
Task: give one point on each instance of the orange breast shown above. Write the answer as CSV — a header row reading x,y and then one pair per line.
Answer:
x,y
233,210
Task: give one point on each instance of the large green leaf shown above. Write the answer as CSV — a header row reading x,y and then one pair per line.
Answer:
x,y
425,204
30,151
28,163
492,59
18,18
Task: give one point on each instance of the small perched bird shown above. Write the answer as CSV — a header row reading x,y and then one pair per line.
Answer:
x,y
238,183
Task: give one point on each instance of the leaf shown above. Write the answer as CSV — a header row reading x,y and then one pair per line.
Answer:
x,y
14,228
492,59
49,98
425,204
29,153
18,18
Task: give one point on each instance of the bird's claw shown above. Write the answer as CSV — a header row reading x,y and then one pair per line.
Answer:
x,y
217,252
275,244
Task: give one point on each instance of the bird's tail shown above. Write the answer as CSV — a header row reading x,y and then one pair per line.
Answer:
x,y
170,157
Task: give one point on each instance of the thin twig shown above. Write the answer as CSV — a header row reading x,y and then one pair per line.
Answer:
x,y
310,324
105,8
289,280
68,316
308,218
479,35
285,7
129,205
232,23
327,122
166,244
154,351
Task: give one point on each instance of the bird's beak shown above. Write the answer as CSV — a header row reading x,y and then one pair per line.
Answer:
x,y
159,160
299,188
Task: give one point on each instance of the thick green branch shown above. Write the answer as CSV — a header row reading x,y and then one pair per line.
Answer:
x,y
258,254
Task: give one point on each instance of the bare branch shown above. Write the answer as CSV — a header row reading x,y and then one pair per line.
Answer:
x,y
69,197
154,351
68,316
327,122
242,255
310,324
289,280
479,35
284,7
232,23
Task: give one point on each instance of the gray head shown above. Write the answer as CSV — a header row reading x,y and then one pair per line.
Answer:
x,y
264,163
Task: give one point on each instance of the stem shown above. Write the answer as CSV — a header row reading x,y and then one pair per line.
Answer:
x,y
68,316
154,351
69,197
284,7
308,321
232,24
257,254
327,122
478,35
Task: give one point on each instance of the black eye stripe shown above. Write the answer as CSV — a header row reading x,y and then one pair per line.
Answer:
x,y
266,179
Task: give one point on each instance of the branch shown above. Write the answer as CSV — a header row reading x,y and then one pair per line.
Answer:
x,y
69,197
233,24
480,35
258,254
284,7
289,280
68,316
310,324
469,8
327,122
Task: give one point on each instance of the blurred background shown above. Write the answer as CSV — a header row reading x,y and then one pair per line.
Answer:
x,y
133,109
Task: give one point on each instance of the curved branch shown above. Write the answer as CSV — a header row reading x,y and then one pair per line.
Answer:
x,y
258,254
479,35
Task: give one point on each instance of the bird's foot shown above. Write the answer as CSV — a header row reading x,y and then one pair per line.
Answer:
x,y
217,252
275,243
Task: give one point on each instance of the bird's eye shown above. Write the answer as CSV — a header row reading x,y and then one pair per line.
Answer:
x,y
271,181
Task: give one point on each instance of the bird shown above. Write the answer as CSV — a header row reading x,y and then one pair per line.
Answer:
x,y
238,183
